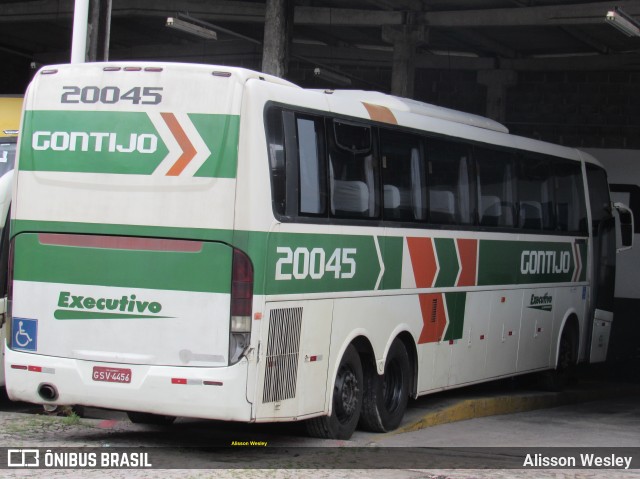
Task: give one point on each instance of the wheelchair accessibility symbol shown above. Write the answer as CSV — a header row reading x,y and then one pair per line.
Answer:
x,y
24,334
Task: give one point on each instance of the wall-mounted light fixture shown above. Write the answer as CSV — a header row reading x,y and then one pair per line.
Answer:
x,y
191,28
623,22
332,77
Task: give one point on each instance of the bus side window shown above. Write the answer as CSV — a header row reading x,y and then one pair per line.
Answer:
x,y
536,194
449,185
571,212
496,187
277,159
402,176
353,172
598,196
312,170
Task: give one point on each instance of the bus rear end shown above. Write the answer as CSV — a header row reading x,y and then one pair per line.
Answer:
x,y
127,290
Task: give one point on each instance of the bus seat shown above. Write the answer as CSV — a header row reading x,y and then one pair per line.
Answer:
x,y
350,196
530,215
563,217
491,210
441,206
392,198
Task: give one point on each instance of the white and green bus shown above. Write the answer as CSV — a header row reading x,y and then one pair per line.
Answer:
x,y
213,242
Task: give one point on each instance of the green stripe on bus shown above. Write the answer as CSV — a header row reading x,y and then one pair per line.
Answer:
x,y
525,262
392,255
220,133
206,271
303,263
296,263
125,142
448,262
456,303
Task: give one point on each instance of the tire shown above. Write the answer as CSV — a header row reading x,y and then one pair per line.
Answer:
x,y
346,401
558,379
148,418
386,397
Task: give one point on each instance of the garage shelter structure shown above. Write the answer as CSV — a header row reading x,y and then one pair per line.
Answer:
x,y
556,71
563,73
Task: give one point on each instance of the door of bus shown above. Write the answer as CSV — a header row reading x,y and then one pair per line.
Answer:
x,y
604,262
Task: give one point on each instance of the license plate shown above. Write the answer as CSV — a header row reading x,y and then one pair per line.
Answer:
x,y
111,375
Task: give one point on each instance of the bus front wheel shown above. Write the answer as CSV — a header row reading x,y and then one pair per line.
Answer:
x,y
347,401
557,379
385,398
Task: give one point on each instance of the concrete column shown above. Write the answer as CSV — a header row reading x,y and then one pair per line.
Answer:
x,y
405,39
99,31
278,22
497,82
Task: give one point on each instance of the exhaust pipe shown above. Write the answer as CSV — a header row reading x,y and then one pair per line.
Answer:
x,y
48,392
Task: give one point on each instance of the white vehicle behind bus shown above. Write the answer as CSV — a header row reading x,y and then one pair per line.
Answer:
x,y
10,110
212,242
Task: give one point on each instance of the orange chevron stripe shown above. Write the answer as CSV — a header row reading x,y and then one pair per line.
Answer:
x,y
423,261
468,250
380,113
434,317
188,150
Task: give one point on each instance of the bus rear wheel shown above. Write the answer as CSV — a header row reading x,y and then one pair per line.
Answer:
x,y
386,397
148,418
347,401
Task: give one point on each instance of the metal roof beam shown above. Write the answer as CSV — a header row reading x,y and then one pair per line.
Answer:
x,y
237,11
557,15
476,42
586,39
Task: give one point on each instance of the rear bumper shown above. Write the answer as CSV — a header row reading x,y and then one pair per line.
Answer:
x,y
208,393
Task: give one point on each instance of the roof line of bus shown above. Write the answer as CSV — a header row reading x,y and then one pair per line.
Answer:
x,y
393,103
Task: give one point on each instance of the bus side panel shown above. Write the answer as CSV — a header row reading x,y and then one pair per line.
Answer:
x,y
537,328
377,319
434,361
470,352
293,359
504,332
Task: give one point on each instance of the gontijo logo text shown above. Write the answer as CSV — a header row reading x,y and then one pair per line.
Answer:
x,y
74,306
545,262
145,143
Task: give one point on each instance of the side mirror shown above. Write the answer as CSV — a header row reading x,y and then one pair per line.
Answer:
x,y
626,226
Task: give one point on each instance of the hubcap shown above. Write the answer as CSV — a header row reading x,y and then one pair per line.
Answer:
x,y
345,394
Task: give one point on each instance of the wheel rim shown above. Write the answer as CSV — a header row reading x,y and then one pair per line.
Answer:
x,y
345,394
392,385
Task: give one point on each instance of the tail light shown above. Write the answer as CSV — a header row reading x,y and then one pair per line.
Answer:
x,y
241,306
